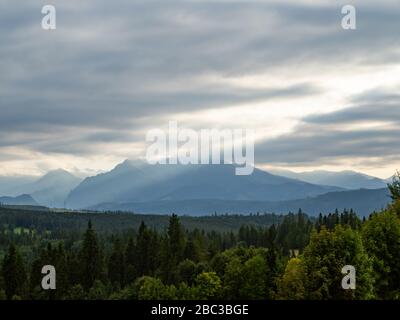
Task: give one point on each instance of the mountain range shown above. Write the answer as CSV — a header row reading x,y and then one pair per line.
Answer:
x,y
201,190
50,190
22,200
140,182
344,179
362,201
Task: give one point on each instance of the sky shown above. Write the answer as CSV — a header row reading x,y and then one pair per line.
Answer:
x,y
83,96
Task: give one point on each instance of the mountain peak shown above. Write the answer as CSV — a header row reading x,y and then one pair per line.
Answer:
x,y
137,181
23,199
58,172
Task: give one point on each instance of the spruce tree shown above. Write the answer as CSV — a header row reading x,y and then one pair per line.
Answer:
x,y
14,274
176,239
145,254
130,260
116,265
90,258
174,246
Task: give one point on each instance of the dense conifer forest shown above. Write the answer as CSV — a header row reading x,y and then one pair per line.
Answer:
x,y
262,256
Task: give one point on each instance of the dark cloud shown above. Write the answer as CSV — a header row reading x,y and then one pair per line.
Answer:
x,y
381,111
115,67
332,137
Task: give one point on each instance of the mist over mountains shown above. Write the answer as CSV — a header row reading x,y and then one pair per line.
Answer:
x,y
344,179
362,201
199,190
22,200
140,182
50,190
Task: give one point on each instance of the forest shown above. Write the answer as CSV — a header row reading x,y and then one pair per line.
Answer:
x,y
120,256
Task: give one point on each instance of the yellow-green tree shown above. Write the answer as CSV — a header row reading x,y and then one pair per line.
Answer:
x,y
292,285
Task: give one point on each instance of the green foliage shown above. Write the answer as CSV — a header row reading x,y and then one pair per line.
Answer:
x,y
295,257
208,286
90,257
255,273
346,218
294,232
324,258
98,291
76,293
246,273
116,265
145,256
149,288
381,236
292,284
187,271
14,274
394,187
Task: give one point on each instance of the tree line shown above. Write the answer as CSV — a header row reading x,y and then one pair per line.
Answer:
x,y
297,258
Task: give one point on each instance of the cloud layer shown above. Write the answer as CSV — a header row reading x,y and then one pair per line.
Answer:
x,y
112,70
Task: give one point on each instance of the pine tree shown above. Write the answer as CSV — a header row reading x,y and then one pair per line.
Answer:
x,y
146,251
191,251
62,271
14,274
90,258
116,265
176,239
130,260
174,246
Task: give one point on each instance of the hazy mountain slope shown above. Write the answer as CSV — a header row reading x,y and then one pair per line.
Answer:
x,y
49,190
13,185
133,182
53,188
362,201
23,200
343,179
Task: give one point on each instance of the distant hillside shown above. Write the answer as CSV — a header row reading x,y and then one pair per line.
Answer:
x,y
53,188
10,186
140,182
50,190
114,222
22,200
363,201
344,179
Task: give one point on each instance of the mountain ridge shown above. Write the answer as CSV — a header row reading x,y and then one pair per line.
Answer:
x,y
346,179
51,189
129,182
23,199
363,202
